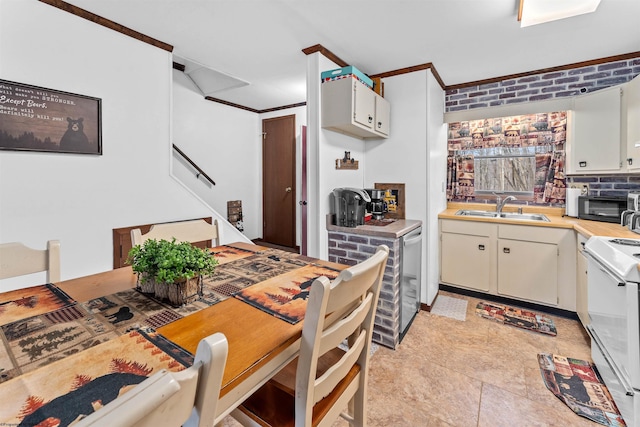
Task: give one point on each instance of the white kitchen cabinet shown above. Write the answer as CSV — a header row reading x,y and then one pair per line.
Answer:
x,y
530,263
582,306
528,270
631,96
594,136
351,107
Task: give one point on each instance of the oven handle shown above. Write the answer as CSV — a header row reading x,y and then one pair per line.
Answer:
x,y
628,389
606,270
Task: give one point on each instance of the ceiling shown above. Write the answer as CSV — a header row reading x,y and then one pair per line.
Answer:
x,y
261,41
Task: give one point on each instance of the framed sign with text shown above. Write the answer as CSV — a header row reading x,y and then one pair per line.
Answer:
x,y
38,119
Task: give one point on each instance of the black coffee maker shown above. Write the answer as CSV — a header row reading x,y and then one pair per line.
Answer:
x,y
377,206
349,206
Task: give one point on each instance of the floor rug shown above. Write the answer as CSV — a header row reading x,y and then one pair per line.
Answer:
x,y
518,317
578,384
454,308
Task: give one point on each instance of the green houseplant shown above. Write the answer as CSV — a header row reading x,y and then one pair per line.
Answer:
x,y
171,270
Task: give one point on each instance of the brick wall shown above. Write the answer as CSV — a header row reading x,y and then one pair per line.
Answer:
x,y
350,249
543,86
607,185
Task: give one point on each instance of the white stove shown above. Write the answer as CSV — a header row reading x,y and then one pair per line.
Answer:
x,y
613,276
622,256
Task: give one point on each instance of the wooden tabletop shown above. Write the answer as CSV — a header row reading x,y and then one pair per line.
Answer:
x,y
258,342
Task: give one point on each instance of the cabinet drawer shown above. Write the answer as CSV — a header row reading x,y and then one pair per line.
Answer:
x,y
467,227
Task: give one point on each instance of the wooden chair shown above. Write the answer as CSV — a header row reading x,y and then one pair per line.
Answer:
x,y
188,397
17,259
324,380
183,231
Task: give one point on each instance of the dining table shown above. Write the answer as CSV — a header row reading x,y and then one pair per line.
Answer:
x,y
256,297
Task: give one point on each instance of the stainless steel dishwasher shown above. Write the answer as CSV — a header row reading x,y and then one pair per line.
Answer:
x,y
410,277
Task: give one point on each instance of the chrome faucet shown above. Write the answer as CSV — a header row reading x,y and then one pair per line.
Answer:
x,y
500,203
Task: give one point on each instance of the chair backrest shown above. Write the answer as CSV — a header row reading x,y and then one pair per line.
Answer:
x,y
184,231
337,311
17,259
188,397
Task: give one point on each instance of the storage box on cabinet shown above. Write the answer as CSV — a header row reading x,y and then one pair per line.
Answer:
x,y
351,107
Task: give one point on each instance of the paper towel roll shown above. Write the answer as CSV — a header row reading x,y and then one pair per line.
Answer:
x,y
572,202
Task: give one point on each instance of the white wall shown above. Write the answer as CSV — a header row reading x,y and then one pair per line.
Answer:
x,y
225,142
325,147
436,182
79,199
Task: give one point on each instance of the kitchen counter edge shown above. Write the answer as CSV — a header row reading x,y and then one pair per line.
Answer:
x,y
556,220
394,230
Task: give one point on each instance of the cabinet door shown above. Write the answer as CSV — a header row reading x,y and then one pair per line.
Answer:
x,y
364,105
383,115
528,270
595,139
465,260
632,111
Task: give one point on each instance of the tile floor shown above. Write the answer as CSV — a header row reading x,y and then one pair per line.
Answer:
x,y
475,373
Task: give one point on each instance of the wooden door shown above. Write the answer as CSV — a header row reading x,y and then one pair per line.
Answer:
x,y
279,180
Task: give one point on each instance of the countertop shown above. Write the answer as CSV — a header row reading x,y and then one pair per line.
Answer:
x,y
556,219
393,230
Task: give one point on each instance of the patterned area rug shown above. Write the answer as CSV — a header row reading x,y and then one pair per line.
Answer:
x,y
578,384
454,308
518,317
88,380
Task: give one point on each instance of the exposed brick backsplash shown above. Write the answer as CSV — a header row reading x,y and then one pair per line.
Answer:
x,y
607,185
555,84
350,249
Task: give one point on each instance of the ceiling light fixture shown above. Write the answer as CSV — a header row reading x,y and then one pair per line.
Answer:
x,y
532,12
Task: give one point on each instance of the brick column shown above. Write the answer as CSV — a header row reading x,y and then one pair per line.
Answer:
x,y
350,249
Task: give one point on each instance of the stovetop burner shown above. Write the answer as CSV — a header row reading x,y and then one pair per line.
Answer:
x,y
626,242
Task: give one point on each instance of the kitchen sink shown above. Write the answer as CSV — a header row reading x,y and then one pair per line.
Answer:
x,y
505,215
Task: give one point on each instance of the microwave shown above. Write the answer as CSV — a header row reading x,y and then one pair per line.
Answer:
x,y
601,208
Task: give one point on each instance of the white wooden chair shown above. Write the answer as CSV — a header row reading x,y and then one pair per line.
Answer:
x,y
316,388
17,259
188,397
184,231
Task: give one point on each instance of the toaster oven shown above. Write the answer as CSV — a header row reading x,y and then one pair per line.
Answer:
x,y
601,208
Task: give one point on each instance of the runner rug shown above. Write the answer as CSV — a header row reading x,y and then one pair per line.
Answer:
x,y
88,380
578,384
518,317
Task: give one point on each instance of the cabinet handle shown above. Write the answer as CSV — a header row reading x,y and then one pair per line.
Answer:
x,y
370,119
379,125
506,250
582,164
481,247
630,161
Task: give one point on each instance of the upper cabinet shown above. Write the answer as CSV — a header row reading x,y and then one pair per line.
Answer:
x,y
604,135
594,133
351,107
632,118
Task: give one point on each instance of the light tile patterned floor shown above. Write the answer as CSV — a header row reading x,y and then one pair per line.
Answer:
x,y
472,373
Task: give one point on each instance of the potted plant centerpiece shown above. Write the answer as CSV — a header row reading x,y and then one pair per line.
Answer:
x,y
174,269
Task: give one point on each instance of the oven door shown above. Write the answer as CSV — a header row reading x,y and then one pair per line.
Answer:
x,y
613,310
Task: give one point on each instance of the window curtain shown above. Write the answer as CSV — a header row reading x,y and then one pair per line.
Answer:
x,y
550,185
